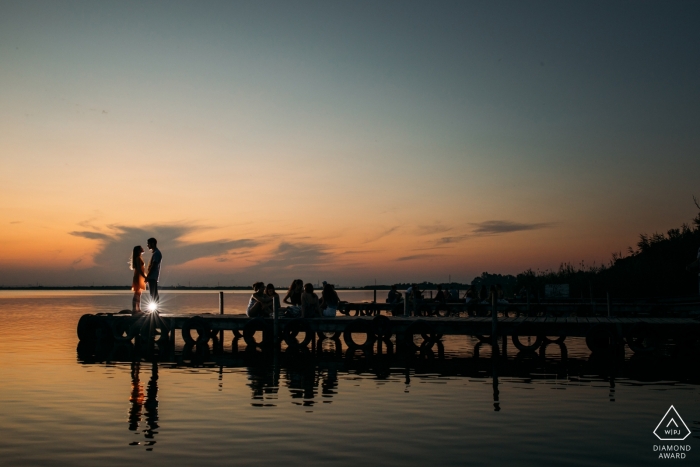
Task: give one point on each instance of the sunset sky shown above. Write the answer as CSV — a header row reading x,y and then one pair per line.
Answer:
x,y
341,141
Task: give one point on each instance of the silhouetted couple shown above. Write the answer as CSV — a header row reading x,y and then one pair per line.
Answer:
x,y
143,276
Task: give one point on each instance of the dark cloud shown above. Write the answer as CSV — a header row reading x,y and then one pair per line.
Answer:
x,y
456,239
91,235
383,234
499,227
290,255
493,228
116,247
413,257
432,229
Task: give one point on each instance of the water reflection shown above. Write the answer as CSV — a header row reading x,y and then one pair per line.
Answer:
x,y
310,376
144,405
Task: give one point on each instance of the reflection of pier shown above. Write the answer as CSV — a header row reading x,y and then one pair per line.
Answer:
x,y
310,372
642,335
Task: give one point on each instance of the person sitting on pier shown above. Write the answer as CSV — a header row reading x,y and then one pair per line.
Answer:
x,y
138,284
414,297
260,304
293,296
483,294
310,307
270,292
500,296
440,295
329,300
468,296
394,296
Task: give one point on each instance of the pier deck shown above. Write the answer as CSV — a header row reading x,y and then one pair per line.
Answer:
x,y
641,334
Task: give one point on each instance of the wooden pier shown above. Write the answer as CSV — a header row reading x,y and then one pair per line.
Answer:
x,y
641,334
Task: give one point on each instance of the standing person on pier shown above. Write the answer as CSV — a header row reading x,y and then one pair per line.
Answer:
x,y
138,284
153,273
414,297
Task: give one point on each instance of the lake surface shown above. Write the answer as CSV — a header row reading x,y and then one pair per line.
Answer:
x,y
457,406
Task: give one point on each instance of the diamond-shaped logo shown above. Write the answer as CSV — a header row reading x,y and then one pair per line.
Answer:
x,y
672,427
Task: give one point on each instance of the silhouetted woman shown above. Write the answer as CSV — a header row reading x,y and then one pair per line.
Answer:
x,y
138,284
329,300
293,296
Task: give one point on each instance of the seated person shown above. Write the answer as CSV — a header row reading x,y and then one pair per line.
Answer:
x,y
329,300
468,295
293,296
484,295
260,304
310,306
417,293
440,296
394,296
500,296
270,292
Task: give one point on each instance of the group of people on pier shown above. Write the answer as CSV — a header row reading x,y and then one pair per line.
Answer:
x,y
483,295
301,301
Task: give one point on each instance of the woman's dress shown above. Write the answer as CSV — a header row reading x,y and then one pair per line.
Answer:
x,y
139,282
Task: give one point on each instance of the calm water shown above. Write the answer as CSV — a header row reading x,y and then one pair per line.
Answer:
x,y
565,407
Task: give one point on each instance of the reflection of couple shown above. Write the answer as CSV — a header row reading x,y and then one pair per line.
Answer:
x,y
141,276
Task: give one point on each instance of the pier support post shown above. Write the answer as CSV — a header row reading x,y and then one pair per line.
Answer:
x,y
608,300
221,312
494,318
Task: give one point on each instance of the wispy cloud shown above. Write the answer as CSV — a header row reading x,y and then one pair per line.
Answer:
x,y
432,229
496,227
414,257
383,234
290,255
118,244
357,252
91,235
455,239
500,227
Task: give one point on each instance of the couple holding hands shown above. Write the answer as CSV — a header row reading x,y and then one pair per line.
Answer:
x,y
143,276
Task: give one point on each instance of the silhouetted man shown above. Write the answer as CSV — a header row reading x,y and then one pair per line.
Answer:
x,y
154,269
